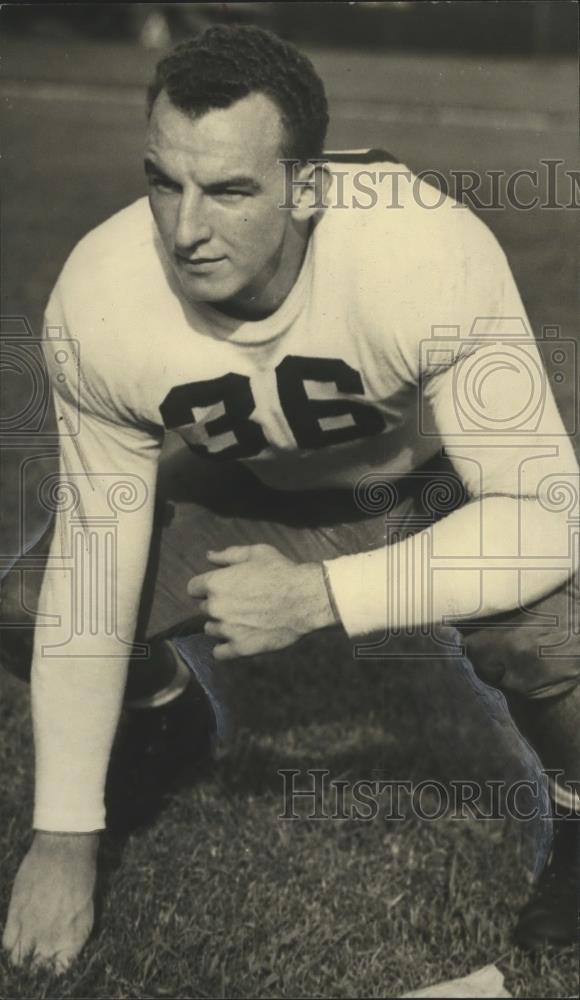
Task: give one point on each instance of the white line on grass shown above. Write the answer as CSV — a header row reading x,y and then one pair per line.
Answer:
x,y
519,121
464,117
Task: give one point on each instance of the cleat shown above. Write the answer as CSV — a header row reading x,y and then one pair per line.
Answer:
x,y
154,746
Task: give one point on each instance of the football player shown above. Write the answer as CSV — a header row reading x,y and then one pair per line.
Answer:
x,y
310,338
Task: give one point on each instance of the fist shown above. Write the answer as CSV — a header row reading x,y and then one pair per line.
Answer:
x,y
257,600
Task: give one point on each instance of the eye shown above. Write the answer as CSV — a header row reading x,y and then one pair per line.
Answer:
x,y
161,183
231,195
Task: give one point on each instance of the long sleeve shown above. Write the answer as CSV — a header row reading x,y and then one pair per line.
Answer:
x,y
486,395
103,501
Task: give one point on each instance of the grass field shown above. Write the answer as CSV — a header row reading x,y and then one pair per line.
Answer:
x,y
216,896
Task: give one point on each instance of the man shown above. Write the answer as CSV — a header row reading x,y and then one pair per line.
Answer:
x,y
275,323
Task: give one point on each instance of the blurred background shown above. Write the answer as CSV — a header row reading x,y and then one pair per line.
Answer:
x,y
526,27
444,86
458,86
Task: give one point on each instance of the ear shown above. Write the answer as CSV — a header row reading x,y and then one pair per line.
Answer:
x,y
306,188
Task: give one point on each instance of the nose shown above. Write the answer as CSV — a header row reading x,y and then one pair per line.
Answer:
x,y
192,227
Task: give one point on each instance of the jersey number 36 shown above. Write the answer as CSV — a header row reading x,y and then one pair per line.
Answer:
x,y
315,423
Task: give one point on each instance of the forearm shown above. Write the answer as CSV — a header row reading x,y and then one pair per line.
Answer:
x,y
77,691
75,710
489,556
85,627
103,500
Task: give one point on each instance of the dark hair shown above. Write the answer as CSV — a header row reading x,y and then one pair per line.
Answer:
x,y
223,64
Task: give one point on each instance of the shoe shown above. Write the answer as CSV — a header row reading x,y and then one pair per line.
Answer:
x,y
154,746
550,917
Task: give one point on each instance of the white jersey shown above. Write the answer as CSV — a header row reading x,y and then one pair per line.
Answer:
x,y
326,388
356,372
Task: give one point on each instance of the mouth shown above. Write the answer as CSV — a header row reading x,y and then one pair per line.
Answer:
x,y
197,263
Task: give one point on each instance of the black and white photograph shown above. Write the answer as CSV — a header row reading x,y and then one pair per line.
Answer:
x,y
290,494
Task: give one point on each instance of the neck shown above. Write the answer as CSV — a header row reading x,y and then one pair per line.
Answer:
x,y
260,300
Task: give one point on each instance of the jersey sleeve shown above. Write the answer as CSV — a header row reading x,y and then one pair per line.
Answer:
x,y
486,397
102,499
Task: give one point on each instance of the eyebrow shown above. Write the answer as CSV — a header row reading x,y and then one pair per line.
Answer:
x,y
152,168
213,187
238,180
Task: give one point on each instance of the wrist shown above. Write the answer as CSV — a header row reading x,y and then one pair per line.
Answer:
x,y
319,607
62,841
337,620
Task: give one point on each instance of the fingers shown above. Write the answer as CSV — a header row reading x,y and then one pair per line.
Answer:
x,y
230,556
243,553
232,648
18,953
226,651
58,959
11,933
24,950
213,628
51,912
198,585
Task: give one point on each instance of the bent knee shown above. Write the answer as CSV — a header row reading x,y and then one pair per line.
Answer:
x,y
524,659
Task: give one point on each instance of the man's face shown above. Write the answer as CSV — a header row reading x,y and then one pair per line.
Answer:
x,y
215,187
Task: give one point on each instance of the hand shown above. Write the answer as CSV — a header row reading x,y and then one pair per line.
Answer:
x,y
51,910
260,600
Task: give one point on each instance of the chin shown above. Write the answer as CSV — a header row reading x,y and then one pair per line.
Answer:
x,y
205,290
209,289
